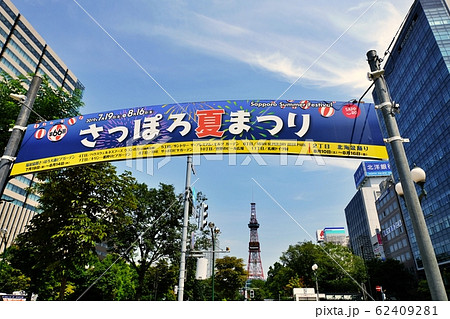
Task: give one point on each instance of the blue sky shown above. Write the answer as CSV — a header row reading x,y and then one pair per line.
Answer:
x,y
141,52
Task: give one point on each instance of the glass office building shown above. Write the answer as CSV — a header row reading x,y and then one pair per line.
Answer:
x,y
417,75
362,219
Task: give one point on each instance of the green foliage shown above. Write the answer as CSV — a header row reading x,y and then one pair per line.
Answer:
x,y
260,289
11,279
111,279
50,103
160,281
79,207
278,278
339,270
152,231
229,278
395,279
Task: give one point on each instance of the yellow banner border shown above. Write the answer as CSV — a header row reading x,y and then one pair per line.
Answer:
x,y
224,147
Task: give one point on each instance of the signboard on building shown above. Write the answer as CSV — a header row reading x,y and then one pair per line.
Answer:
x,y
391,228
320,235
334,231
371,169
291,127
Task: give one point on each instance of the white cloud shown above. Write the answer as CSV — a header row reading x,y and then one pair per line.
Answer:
x,y
286,39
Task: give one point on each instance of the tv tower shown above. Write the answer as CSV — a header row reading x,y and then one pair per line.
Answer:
x,y
254,268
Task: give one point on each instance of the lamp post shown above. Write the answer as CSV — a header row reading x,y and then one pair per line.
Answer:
x,y
388,110
3,231
214,232
419,176
187,194
314,268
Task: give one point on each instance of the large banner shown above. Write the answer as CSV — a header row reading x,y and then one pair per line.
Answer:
x,y
288,127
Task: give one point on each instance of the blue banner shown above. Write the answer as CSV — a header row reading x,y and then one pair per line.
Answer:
x,y
333,128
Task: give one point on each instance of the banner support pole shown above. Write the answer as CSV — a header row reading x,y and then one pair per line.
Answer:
x,y
9,156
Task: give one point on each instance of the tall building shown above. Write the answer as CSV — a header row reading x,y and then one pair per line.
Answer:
x,y
393,234
418,78
335,235
24,51
361,213
362,221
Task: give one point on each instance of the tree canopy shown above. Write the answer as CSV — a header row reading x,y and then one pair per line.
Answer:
x,y
230,277
339,271
79,207
50,103
152,231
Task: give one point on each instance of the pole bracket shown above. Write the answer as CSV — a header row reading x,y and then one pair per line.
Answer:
x,y
396,138
380,106
8,158
18,127
372,76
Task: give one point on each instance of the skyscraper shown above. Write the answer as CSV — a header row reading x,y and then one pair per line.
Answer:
x,y
24,51
362,220
417,75
361,213
393,234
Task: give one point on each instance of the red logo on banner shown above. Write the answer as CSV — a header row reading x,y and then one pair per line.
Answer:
x,y
326,111
72,121
40,133
351,111
305,104
57,132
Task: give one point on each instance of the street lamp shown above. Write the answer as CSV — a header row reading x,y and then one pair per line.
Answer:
x,y
419,176
214,232
3,231
388,110
314,268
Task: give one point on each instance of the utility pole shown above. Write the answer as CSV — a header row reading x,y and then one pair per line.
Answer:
x,y
185,227
423,239
9,156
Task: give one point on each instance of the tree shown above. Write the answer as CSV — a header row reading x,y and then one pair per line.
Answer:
x,y
79,207
339,270
394,278
160,281
11,279
153,231
259,288
230,277
50,103
299,258
110,279
278,278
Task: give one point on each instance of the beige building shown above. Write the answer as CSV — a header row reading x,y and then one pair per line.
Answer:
x,y
24,51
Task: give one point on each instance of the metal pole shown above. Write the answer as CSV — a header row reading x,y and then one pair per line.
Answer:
x,y
9,156
185,227
213,259
4,232
317,286
424,243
